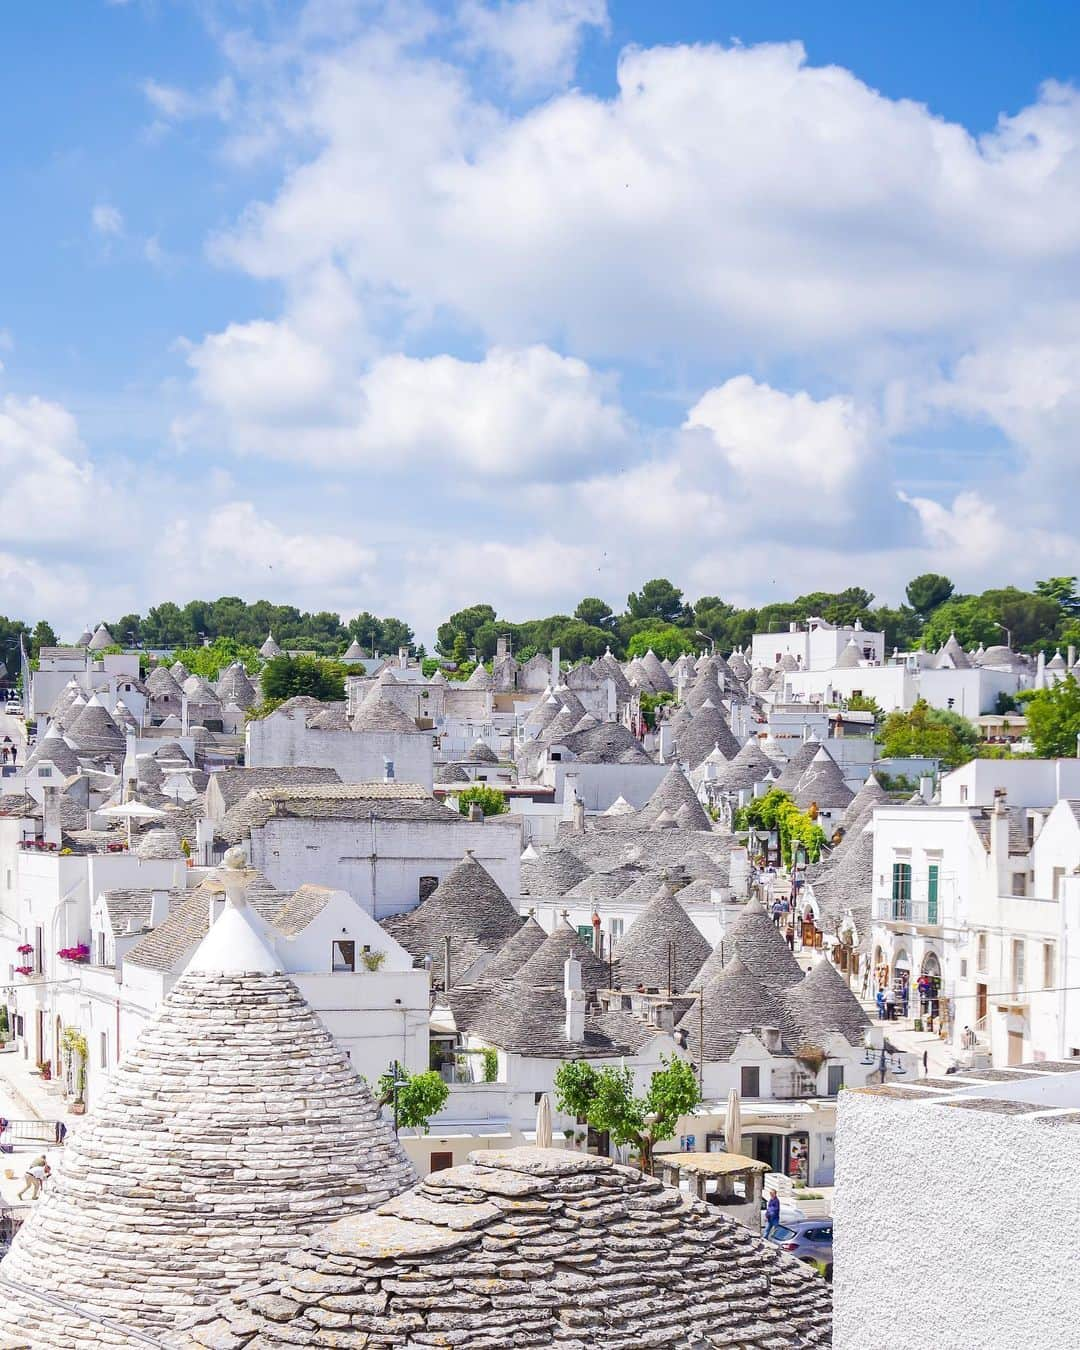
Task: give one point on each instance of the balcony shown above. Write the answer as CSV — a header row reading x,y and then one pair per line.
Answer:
x,y
923,912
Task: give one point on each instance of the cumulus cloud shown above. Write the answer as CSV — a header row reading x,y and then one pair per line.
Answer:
x,y
527,413
532,44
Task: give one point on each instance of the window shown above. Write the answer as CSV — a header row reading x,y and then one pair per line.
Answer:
x,y
427,885
980,952
931,893
750,1084
344,956
782,1234
963,792
101,948
44,771
1059,876
103,1059
901,889
836,1079
963,970
1049,963
39,942
615,928
1019,883
1018,963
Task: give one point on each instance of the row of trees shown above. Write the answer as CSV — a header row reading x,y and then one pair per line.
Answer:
x,y
660,617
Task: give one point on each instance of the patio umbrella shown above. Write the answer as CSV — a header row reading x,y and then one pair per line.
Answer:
x,y
130,811
543,1122
733,1123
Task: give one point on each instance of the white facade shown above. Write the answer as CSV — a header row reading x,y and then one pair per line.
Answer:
x,y
379,861
949,1221
1027,782
284,738
899,685
815,647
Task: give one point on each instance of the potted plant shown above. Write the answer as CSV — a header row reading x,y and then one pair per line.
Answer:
x,y
372,960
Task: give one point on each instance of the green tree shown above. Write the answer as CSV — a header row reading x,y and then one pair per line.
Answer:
x,y
419,1097
777,811
1062,591
285,677
42,636
595,612
927,591
1053,719
967,617
931,733
10,632
605,1098
490,800
209,661
657,599
462,624
669,642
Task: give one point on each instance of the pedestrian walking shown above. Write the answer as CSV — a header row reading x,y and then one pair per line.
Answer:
x,y
14,753
791,936
34,1178
772,1213
925,1062
905,994
890,1004
881,1005
777,910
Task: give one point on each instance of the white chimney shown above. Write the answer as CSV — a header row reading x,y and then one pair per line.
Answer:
x,y
159,907
184,715
575,1000
403,658
999,839
555,666
579,816
926,787
476,814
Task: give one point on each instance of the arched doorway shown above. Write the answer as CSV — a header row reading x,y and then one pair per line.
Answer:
x,y
929,986
901,981
931,965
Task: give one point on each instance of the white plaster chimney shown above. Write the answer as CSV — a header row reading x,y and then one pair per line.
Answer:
x,y
159,907
555,663
999,839
575,1000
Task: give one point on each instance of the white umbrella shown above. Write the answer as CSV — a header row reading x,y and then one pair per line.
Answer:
x,y
733,1123
131,811
543,1122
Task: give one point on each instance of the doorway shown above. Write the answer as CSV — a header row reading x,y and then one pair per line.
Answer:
x,y
440,1162
766,1148
1016,1048
980,1004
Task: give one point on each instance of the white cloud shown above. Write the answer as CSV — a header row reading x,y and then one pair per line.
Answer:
x,y
106,219
174,104
518,414
532,44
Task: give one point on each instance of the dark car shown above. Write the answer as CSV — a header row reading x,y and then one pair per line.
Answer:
x,y
808,1239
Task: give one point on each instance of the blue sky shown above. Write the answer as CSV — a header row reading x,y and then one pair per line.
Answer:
x,y
400,307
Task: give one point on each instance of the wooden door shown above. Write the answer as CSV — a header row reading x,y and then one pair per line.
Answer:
x,y
441,1161
1016,1047
980,1003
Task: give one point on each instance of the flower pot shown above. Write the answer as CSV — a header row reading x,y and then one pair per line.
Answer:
x,y
78,1108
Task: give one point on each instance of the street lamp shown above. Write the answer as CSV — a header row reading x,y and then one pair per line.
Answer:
x,y
1007,632
710,640
398,1080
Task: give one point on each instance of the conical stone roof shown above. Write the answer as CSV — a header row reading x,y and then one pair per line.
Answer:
x,y
378,713
234,687
513,954
732,1002
354,652
179,672
750,766
869,795
707,729
56,750
850,657
759,944
705,689
797,765
101,638
95,732
543,713
544,969
479,679
660,678
606,667
553,873
674,790
481,753
232,1127
822,783
269,648
470,907
599,1257
642,955
821,1005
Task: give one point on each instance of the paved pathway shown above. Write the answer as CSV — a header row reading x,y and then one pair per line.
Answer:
x,y
23,1096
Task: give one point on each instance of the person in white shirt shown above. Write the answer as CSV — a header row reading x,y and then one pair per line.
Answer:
x,y
34,1178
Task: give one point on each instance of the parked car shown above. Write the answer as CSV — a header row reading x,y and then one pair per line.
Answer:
x,y
808,1239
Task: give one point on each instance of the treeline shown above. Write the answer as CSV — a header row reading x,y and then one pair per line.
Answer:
x,y
659,616
171,626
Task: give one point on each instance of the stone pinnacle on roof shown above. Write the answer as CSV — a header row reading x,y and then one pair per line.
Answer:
x,y
663,948
233,1127
600,1257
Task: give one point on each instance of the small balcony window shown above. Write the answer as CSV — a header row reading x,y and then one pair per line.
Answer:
x,y
750,1081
